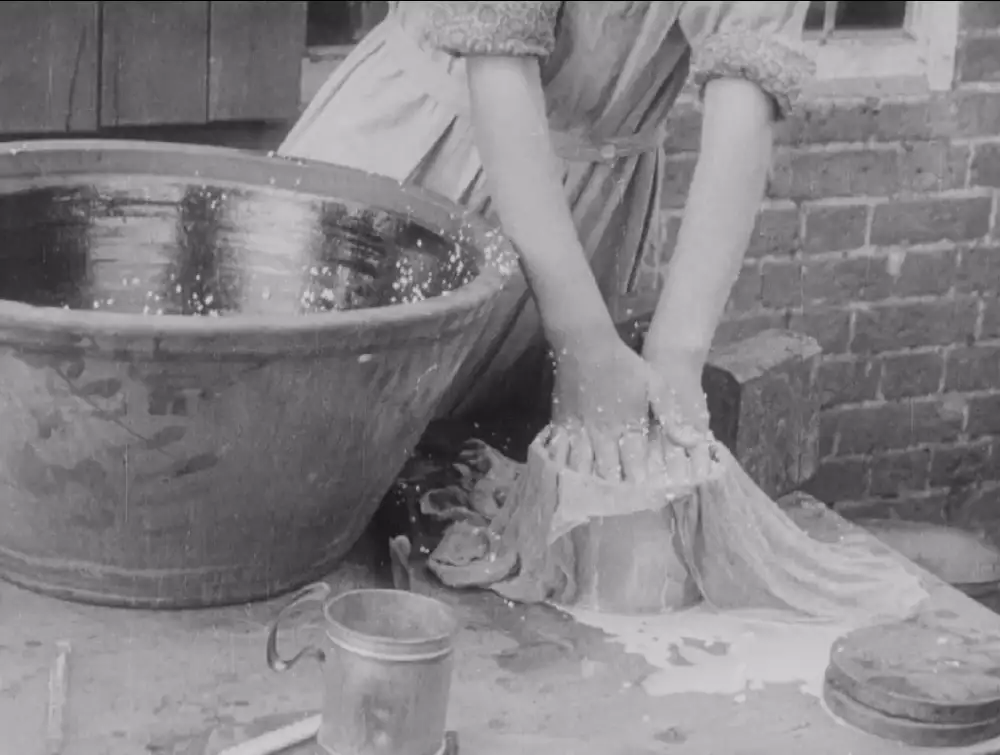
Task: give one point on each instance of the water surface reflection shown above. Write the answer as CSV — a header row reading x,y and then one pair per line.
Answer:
x,y
142,244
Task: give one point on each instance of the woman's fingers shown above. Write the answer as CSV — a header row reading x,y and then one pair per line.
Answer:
x,y
633,447
571,445
676,466
560,440
674,426
656,462
607,455
581,452
700,463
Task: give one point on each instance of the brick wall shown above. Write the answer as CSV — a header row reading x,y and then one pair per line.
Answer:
x,y
880,238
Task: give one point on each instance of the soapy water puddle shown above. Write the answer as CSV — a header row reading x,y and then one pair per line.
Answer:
x,y
734,653
723,652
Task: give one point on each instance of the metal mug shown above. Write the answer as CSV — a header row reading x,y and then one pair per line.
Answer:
x,y
387,668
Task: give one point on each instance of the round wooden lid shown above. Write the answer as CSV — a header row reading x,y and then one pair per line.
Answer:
x,y
904,730
934,674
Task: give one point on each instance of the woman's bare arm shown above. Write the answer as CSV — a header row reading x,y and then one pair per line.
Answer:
x,y
725,195
600,382
512,135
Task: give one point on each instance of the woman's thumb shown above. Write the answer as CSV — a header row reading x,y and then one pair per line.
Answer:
x,y
684,428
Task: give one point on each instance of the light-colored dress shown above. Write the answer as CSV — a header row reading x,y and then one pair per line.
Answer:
x,y
399,106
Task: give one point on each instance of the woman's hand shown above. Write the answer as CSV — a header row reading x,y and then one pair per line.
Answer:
x,y
678,373
609,401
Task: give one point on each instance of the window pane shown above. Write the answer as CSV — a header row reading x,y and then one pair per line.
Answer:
x,y
329,23
342,23
859,15
814,17
862,15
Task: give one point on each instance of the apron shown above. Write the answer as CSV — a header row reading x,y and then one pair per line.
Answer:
x,y
397,108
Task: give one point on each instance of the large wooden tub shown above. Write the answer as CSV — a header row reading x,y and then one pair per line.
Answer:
x,y
213,364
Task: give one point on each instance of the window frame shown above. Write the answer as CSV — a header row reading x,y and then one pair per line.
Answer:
x,y
921,59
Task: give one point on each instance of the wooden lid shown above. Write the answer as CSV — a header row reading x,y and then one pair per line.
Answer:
x,y
940,675
903,730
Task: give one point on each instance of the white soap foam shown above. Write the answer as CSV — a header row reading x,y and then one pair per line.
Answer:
x,y
732,653
723,652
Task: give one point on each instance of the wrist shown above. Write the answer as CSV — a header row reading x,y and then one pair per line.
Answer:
x,y
574,314
682,329
589,333
675,353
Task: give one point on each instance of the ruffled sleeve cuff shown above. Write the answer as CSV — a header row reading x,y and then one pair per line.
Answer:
x,y
492,28
779,67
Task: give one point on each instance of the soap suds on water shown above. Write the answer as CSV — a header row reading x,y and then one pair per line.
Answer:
x,y
723,652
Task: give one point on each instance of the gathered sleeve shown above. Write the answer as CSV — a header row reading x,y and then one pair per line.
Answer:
x,y
757,41
490,28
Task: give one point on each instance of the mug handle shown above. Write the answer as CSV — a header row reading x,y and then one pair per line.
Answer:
x,y
314,593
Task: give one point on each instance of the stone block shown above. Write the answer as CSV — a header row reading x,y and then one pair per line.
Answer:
x,y
764,399
764,403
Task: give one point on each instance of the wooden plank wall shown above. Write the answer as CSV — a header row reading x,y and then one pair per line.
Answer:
x,y
49,66
154,66
81,66
255,60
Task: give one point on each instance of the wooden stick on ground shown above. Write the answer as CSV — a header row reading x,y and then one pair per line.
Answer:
x,y
278,740
58,685
286,737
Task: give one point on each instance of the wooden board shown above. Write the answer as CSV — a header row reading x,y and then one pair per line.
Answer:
x,y
312,747
49,69
934,674
255,60
154,63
